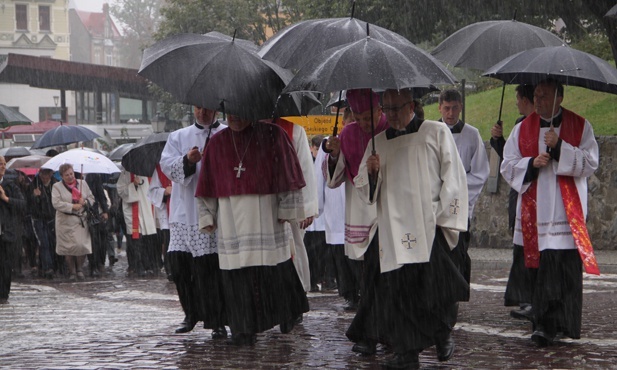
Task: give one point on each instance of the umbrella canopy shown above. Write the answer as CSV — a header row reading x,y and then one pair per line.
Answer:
x,y
564,64
116,154
296,104
483,44
11,117
83,161
370,63
30,161
612,13
63,135
145,154
15,151
294,45
212,73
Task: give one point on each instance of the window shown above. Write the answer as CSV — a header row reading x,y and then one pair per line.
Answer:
x,y
44,18
21,16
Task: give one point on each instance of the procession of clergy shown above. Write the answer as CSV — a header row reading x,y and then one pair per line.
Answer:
x,y
237,199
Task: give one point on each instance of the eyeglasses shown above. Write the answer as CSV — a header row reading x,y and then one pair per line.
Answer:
x,y
394,109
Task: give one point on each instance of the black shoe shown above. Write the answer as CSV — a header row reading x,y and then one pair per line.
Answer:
x,y
299,319
186,326
4,300
365,347
407,360
445,348
541,338
219,333
522,313
286,327
242,339
314,288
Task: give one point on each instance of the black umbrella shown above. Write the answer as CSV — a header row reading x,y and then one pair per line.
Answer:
x,y
296,104
480,45
213,73
564,64
11,117
118,152
63,135
612,13
370,63
15,151
145,154
294,45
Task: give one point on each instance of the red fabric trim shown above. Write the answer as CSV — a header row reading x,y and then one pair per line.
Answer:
x,y
165,182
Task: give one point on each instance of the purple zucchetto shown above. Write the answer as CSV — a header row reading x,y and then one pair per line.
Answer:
x,y
360,100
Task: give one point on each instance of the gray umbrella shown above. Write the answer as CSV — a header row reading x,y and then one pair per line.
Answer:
x,y
116,154
11,117
483,44
564,64
294,45
63,135
612,13
296,104
15,151
213,73
417,93
145,154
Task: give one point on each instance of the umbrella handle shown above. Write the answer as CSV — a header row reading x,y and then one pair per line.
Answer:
x,y
503,91
335,130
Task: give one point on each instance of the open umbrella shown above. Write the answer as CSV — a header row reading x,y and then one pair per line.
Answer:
x,y
11,117
370,63
116,154
296,104
15,151
294,45
212,73
481,45
83,161
564,64
145,154
417,93
30,161
63,135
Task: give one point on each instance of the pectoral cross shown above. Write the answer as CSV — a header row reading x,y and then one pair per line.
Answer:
x,y
239,170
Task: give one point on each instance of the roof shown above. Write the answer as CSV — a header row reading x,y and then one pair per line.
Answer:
x,y
58,74
95,23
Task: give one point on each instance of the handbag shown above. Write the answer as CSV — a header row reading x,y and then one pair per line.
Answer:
x,y
95,221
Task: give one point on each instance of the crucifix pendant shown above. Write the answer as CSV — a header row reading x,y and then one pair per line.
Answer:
x,y
239,170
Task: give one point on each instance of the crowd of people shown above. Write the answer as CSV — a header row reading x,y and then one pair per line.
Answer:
x,y
247,217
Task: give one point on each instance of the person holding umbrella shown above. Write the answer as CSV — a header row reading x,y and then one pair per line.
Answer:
x,y
360,219
418,184
43,218
192,256
250,185
547,159
73,239
521,280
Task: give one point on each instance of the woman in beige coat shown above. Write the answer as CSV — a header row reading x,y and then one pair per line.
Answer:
x,y
72,236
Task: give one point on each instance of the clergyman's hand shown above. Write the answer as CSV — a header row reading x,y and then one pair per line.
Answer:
x,y
372,164
306,222
334,144
194,155
497,131
541,160
551,138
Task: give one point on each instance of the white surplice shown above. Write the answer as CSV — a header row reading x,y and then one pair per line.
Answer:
x,y
475,160
331,202
579,162
421,184
131,194
360,218
248,227
184,218
156,195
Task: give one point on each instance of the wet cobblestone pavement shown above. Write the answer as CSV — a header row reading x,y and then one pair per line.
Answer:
x,y
117,322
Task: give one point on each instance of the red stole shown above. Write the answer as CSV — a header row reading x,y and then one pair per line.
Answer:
x,y
271,163
165,182
135,215
571,131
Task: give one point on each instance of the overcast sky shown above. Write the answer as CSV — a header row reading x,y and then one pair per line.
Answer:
x,y
91,5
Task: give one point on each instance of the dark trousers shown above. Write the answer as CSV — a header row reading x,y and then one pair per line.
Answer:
x,y
99,247
181,266
6,261
164,240
45,233
315,243
349,273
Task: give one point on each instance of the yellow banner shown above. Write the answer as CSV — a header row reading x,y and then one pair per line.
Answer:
x,y
316,125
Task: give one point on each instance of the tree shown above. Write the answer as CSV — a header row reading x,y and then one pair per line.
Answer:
x,y
599,8
139,20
